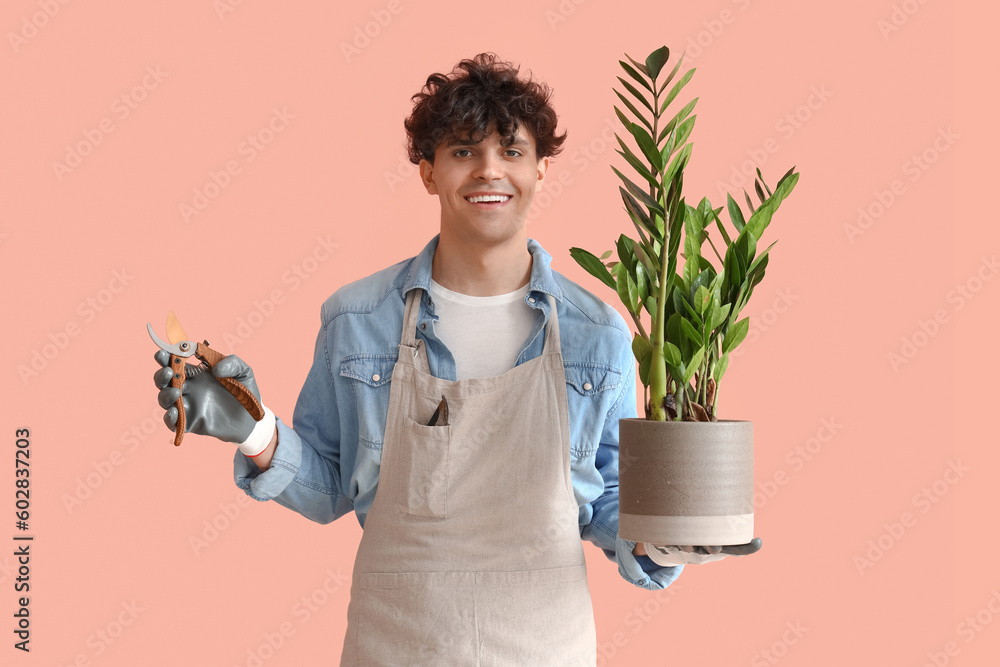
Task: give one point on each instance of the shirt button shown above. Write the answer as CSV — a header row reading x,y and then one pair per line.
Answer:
x,y
531,299
587,386
376,377
423,327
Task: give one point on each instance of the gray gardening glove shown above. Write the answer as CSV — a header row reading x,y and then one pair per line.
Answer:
x,y
210,409
686,555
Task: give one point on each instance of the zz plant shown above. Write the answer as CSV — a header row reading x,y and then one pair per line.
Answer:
x,y
693,309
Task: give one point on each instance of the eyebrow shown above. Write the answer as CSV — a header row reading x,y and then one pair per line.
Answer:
x,y
518,141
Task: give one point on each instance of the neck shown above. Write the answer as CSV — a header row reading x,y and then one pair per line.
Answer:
x,y
482,270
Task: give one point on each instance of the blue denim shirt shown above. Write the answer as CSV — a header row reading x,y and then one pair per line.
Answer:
x,y
328,464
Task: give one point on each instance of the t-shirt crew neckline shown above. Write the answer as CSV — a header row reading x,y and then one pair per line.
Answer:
x,y
468,300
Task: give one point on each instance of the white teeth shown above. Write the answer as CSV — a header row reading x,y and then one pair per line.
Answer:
x,y
487,198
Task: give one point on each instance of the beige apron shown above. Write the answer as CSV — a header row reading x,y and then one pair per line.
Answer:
x,y
471,552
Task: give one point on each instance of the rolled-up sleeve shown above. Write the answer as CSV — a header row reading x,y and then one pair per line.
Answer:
x,y
305,473
602,530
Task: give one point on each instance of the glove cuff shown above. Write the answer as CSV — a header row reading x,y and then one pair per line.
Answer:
x,y
260,437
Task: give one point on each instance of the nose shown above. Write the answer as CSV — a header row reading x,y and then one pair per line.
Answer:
x,y
488,167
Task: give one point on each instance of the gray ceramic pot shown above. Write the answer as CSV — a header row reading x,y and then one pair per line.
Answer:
x,y
686,483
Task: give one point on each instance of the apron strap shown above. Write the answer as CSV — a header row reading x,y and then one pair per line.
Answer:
x,y
552,329
410,316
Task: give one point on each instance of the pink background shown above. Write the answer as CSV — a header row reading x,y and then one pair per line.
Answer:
x,y
91,252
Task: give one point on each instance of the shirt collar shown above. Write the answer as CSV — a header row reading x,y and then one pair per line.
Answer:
x,y
541,279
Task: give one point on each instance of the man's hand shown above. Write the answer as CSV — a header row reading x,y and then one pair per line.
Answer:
x,y
208,406
691,555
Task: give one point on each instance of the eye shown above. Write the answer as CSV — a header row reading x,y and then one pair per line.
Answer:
x,y
459,152
514,151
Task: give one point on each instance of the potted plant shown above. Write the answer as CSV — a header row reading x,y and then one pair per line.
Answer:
x,y
695,484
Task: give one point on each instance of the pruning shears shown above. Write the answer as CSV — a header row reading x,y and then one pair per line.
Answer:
x,y
181,349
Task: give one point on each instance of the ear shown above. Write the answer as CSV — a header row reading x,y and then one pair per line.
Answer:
x,y
427,177
543,167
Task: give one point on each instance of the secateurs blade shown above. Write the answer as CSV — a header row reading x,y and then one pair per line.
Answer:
x,y
180,349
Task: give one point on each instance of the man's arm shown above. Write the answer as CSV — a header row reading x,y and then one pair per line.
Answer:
x,y
300,469
263,460
633,563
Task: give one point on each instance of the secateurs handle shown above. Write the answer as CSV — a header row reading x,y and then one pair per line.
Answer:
x,y
234,387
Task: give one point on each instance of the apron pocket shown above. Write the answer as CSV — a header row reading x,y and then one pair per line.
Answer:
x,y
423,459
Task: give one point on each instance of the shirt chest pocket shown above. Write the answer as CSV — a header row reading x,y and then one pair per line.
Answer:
x,y
370,376
590,391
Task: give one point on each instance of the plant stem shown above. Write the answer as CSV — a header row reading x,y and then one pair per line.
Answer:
x,y
657,363
721,260
638,324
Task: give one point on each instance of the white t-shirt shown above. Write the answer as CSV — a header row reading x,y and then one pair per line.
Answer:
x,y
484,333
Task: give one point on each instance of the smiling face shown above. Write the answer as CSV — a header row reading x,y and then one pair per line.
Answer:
x,y
485,188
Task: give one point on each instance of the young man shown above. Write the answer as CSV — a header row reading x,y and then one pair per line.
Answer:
x,y
477,390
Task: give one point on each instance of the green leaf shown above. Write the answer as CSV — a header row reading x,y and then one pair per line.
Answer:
x,y
703,279
719,317
735,214
639,216
626,288
605,254
650,305
593,266
693,334
681,115
678,163
705,209
645,143
695,317
674,238
735,335
656,60
761,177
638,193
702,299
722,228
636,163
760,192
676,89
635,75
683,132
643,352
670,77
624,247
693,226
786,175
642,282
678,372
650,263
759,221
693,365
674,334
760,259
638,65
631,107
671,354
638,95
720,368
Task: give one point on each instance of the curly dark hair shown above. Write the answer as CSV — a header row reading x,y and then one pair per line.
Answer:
x,y
477,95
